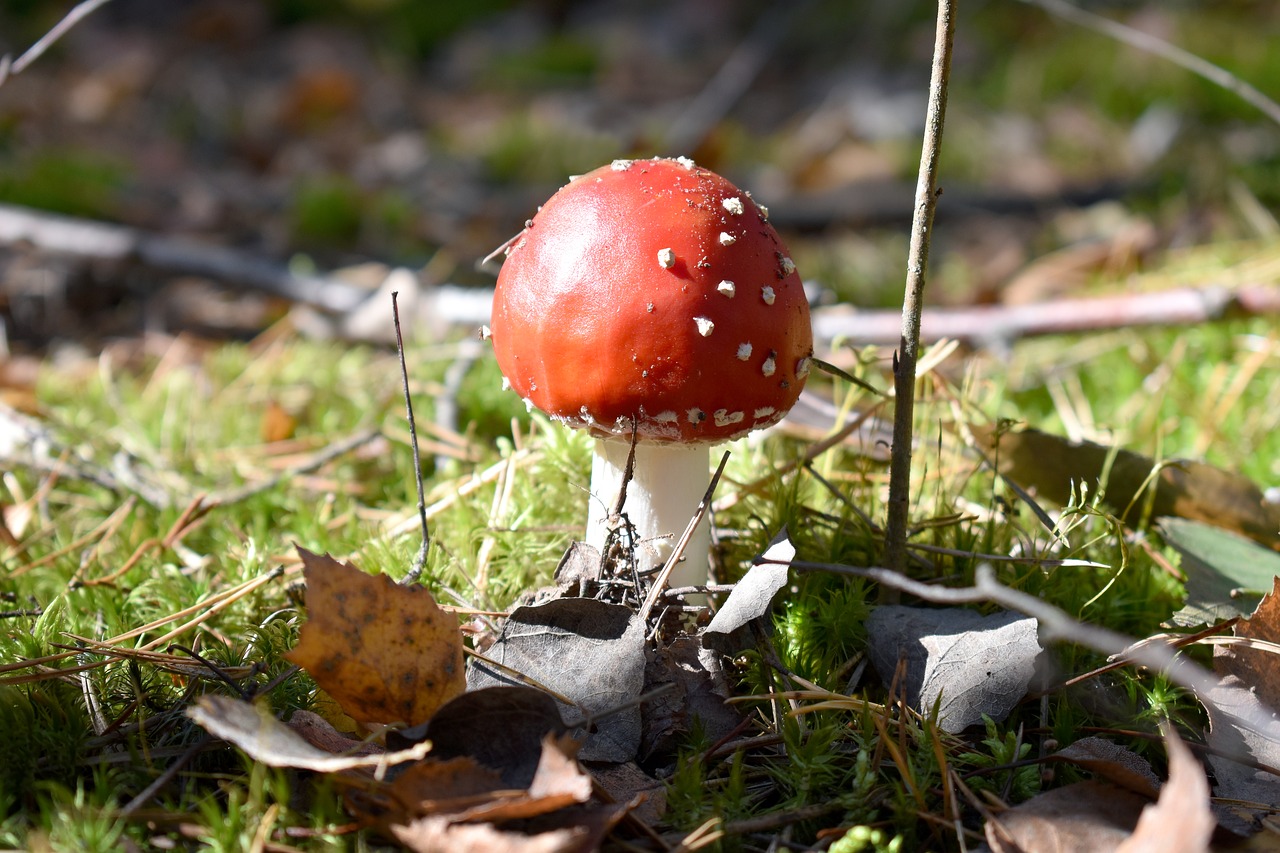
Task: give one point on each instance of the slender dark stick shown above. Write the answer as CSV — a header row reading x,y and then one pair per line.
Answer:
x,y
420,561
904,365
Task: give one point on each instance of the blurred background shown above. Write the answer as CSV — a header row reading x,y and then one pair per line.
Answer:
x,y
328,134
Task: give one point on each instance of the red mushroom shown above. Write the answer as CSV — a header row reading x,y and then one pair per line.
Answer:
x,y
653,293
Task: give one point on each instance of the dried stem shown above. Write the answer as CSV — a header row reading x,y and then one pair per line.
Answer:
x,y
419,561
904,367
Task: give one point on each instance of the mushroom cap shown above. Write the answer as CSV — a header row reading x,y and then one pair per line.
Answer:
x,y
653,292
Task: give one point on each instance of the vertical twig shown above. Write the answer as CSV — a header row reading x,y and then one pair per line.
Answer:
x,y
420,561
904,365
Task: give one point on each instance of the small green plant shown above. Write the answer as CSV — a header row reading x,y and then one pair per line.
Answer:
x,y
1004,751
865,838
81,819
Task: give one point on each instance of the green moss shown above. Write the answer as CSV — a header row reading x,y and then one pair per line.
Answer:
x,y
70,181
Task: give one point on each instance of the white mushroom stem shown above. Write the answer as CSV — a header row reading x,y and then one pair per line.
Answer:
x,y
666,486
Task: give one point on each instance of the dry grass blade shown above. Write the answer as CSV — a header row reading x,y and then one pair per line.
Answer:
x,y
191,518
97,534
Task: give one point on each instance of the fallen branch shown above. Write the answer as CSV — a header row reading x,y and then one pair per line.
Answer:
x,y
994,325
1001,325
100,241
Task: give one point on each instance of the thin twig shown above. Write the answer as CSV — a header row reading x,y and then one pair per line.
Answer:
x,y
85,238
1056,625
660,582
904,366
1152,44
75,16
200,744
419,561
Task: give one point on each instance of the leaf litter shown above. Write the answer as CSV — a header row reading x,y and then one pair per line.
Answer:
x,y
570,688
498,767
494,767
1101,817
588,651
963,663
1244,757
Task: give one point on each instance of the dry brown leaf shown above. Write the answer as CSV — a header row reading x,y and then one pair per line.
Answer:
x,y
445,787
1087,817
1248,690
465,791
386,653
1258,668
1052,465
1180,821
457,804
1112,762
625,783
966,664
558,782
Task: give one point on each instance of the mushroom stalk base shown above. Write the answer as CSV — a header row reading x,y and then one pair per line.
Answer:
x,y
666,486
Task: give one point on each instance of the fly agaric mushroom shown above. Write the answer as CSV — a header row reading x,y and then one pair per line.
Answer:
x,y
654,296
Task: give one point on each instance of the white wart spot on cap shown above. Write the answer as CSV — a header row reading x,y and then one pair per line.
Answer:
x,y
788,265
621,165
802,368
696,415
724,418
733,205
767,294
763,412
744,351
705,326
727,288
686,162
727,239
770,365
667,417
666,258
764,211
